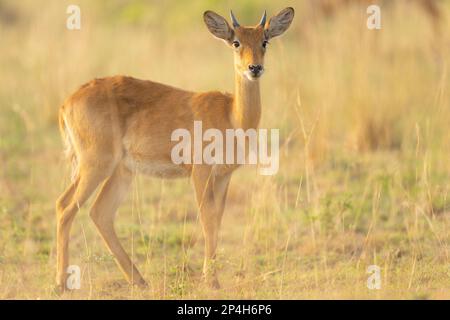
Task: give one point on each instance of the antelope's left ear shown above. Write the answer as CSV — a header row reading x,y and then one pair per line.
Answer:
x,y
279,23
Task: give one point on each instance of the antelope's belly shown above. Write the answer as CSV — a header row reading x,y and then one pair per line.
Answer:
x,y
155,167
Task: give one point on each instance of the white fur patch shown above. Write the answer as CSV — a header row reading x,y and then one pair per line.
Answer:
x,y
155,168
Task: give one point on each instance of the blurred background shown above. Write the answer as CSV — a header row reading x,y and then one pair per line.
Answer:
x,y
364,168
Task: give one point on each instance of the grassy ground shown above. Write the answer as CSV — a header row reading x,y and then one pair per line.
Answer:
x,y
363,118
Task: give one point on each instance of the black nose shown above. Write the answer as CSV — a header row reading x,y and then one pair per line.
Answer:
x,y
255,68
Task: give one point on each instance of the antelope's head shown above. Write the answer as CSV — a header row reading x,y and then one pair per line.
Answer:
x,y
249,43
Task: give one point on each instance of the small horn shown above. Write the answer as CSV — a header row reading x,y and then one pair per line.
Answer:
x,y
233,19
262,23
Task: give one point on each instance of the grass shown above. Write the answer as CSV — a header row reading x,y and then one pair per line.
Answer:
x,y
363,118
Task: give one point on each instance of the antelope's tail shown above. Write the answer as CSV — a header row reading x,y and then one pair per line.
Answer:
x,y
67,136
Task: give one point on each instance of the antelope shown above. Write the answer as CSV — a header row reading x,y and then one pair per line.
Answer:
x,y
117,126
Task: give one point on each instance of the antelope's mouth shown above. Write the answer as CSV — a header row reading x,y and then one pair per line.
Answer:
x,y
253,76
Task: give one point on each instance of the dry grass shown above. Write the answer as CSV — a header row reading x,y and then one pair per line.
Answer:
x,y
364,170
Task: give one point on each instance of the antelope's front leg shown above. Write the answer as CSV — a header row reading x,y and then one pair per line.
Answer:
x,y
203,181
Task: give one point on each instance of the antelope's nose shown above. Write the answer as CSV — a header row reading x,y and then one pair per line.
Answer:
x,y
255,69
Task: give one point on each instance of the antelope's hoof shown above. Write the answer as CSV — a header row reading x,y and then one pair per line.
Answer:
x,y
141,284
212,282
59,290
215,284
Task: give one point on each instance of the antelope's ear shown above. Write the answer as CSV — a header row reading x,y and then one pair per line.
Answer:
x,y
279,23
218,26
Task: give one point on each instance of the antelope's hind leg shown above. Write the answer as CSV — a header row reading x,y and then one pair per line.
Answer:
x,y
67,207
103,213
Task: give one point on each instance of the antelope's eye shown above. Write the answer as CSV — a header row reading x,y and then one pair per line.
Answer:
x,y
236,44
265,43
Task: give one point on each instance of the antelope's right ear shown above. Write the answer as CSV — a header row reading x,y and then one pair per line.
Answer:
x,y
218,26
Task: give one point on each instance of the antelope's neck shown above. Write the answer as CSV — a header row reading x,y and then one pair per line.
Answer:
x,y
246,110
